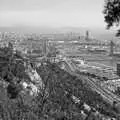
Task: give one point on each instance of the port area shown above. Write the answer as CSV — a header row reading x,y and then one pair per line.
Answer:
x,y
100,70
101,64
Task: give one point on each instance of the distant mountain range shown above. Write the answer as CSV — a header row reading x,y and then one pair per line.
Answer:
x,y
98,33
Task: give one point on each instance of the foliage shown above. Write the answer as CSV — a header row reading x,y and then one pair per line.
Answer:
x,y
12,69
53,102
112,13
118,91
74,86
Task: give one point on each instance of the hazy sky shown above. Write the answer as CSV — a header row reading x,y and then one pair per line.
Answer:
x,y
56,13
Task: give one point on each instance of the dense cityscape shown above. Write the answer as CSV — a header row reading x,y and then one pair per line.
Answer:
x,y
58,61
83,70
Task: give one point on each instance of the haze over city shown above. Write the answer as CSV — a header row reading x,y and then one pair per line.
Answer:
x,y
52,15
58,60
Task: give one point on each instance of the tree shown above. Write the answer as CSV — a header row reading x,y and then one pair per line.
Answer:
x,y
118,91
112,14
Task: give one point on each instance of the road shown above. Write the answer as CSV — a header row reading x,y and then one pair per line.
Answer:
x,y
105,93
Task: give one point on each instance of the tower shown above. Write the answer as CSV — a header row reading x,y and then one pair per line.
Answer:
x,y
111,48
87,35
45,45
118,69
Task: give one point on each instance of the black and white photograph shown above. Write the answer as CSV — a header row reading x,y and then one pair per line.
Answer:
x,y
59,59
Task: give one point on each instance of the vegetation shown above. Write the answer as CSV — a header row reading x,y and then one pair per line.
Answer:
x,y
118,91
76,87
53,102
112,13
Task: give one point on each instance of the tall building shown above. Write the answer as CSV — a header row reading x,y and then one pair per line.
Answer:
x,y
111,48
87,35
45,46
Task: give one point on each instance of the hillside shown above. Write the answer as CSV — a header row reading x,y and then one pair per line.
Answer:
x,y
62,97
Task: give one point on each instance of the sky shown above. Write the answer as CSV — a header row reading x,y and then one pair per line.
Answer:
x,y
52,13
